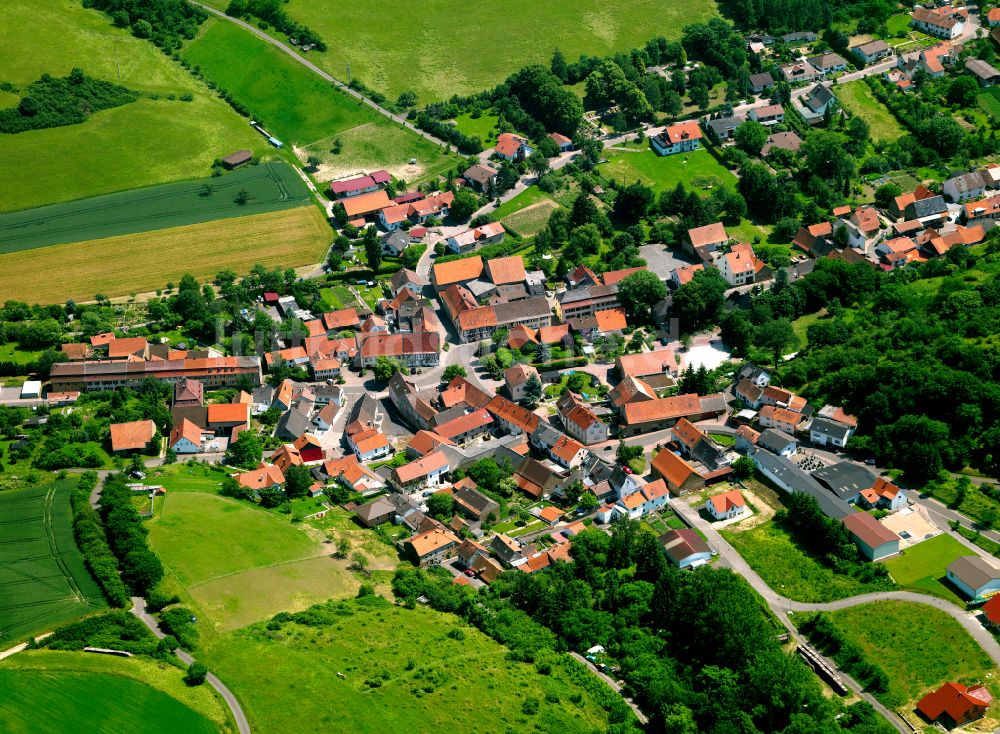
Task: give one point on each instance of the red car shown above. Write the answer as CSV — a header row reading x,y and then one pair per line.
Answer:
x,y
469,572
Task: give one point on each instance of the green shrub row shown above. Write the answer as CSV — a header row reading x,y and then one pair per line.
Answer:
x,y
94,544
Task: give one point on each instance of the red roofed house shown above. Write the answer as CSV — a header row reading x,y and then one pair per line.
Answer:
x,y
263,477
771,416
564,143
134,436
359,185
709,238
424,472
512,417
679,138
185,438
465,428
741,266
873,538
224,417
134,346
568,452
512,147
955,704
655,415
726,505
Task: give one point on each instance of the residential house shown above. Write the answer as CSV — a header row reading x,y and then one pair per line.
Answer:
x,y
379,510
883,495
369,445
516,379
417,211
685,548
185,438
456,272
136,436
650,497
941,22
407,280
787,140
727,505
511,417
817,101
874,540
954,704
761,81
394,243
128,348
472,239
466,428
872,51
630,389
585,301
568,452
965,187
771,416
416,349
823,432
740,266
768,115
930,211
993,17
679,475
798,38
265,476
982,211
224,417
481,177
648,364
353,475
427,471
681,137
724,127
512,147
828,63
800,71
431,547
359,208
579,419
323,420
506,549
973,576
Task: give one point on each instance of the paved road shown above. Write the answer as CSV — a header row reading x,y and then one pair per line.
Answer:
x,y
139,610
613,685
399,119
782,605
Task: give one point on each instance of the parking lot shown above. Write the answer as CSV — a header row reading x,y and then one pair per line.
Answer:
x,y
663,260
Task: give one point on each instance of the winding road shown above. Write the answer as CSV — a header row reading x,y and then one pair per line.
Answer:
x,y
781,606
139,610
399,119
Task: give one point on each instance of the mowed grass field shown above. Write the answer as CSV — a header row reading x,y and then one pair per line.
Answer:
x,y
240,564
923,566
400,670
272,186
43,580
918,646
443,47
140,263
306,112
162,685
665,172
147,142
857,98
989,100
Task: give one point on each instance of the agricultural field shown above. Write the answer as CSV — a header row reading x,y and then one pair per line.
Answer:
x,y
43,580
268,564
392,669
268,187
918,646
697,170
989,100
857,99
134,686
527,213
310,115
789,570
145,262
154,140
433,49
922,567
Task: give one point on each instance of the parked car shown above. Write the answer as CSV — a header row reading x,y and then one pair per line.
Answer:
x,y
469,572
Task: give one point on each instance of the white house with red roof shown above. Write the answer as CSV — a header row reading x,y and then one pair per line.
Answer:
x,y
359,185
681,137
511,147
726,506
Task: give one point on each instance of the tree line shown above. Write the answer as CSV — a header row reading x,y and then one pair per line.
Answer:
x,y
93,543
141,568
58,101
166,23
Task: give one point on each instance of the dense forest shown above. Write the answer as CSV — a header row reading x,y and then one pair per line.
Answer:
x,y
167,23
695,650
790,16
70,100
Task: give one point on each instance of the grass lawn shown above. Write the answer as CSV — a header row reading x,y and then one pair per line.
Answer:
x,y
857,98
723,439
164,680
43,580
429,48
272,186
698,169
268,565
922,566
484,126
527,213
309,114
391,669
528,197
899,23
801,325
790,571
919,647
10,353
139,144
144,262
187,478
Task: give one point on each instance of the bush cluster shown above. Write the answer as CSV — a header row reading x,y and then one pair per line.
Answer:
x,y
70,100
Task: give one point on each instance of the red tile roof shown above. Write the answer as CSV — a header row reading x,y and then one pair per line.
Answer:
x,y
513,413
464,424
131,436
228,413
120,348
458,271
869,530
677,406
956,700
672,468
710,233
728,500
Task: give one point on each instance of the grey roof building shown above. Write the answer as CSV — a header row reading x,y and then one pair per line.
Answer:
x,y
830,429
791,478
845,479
